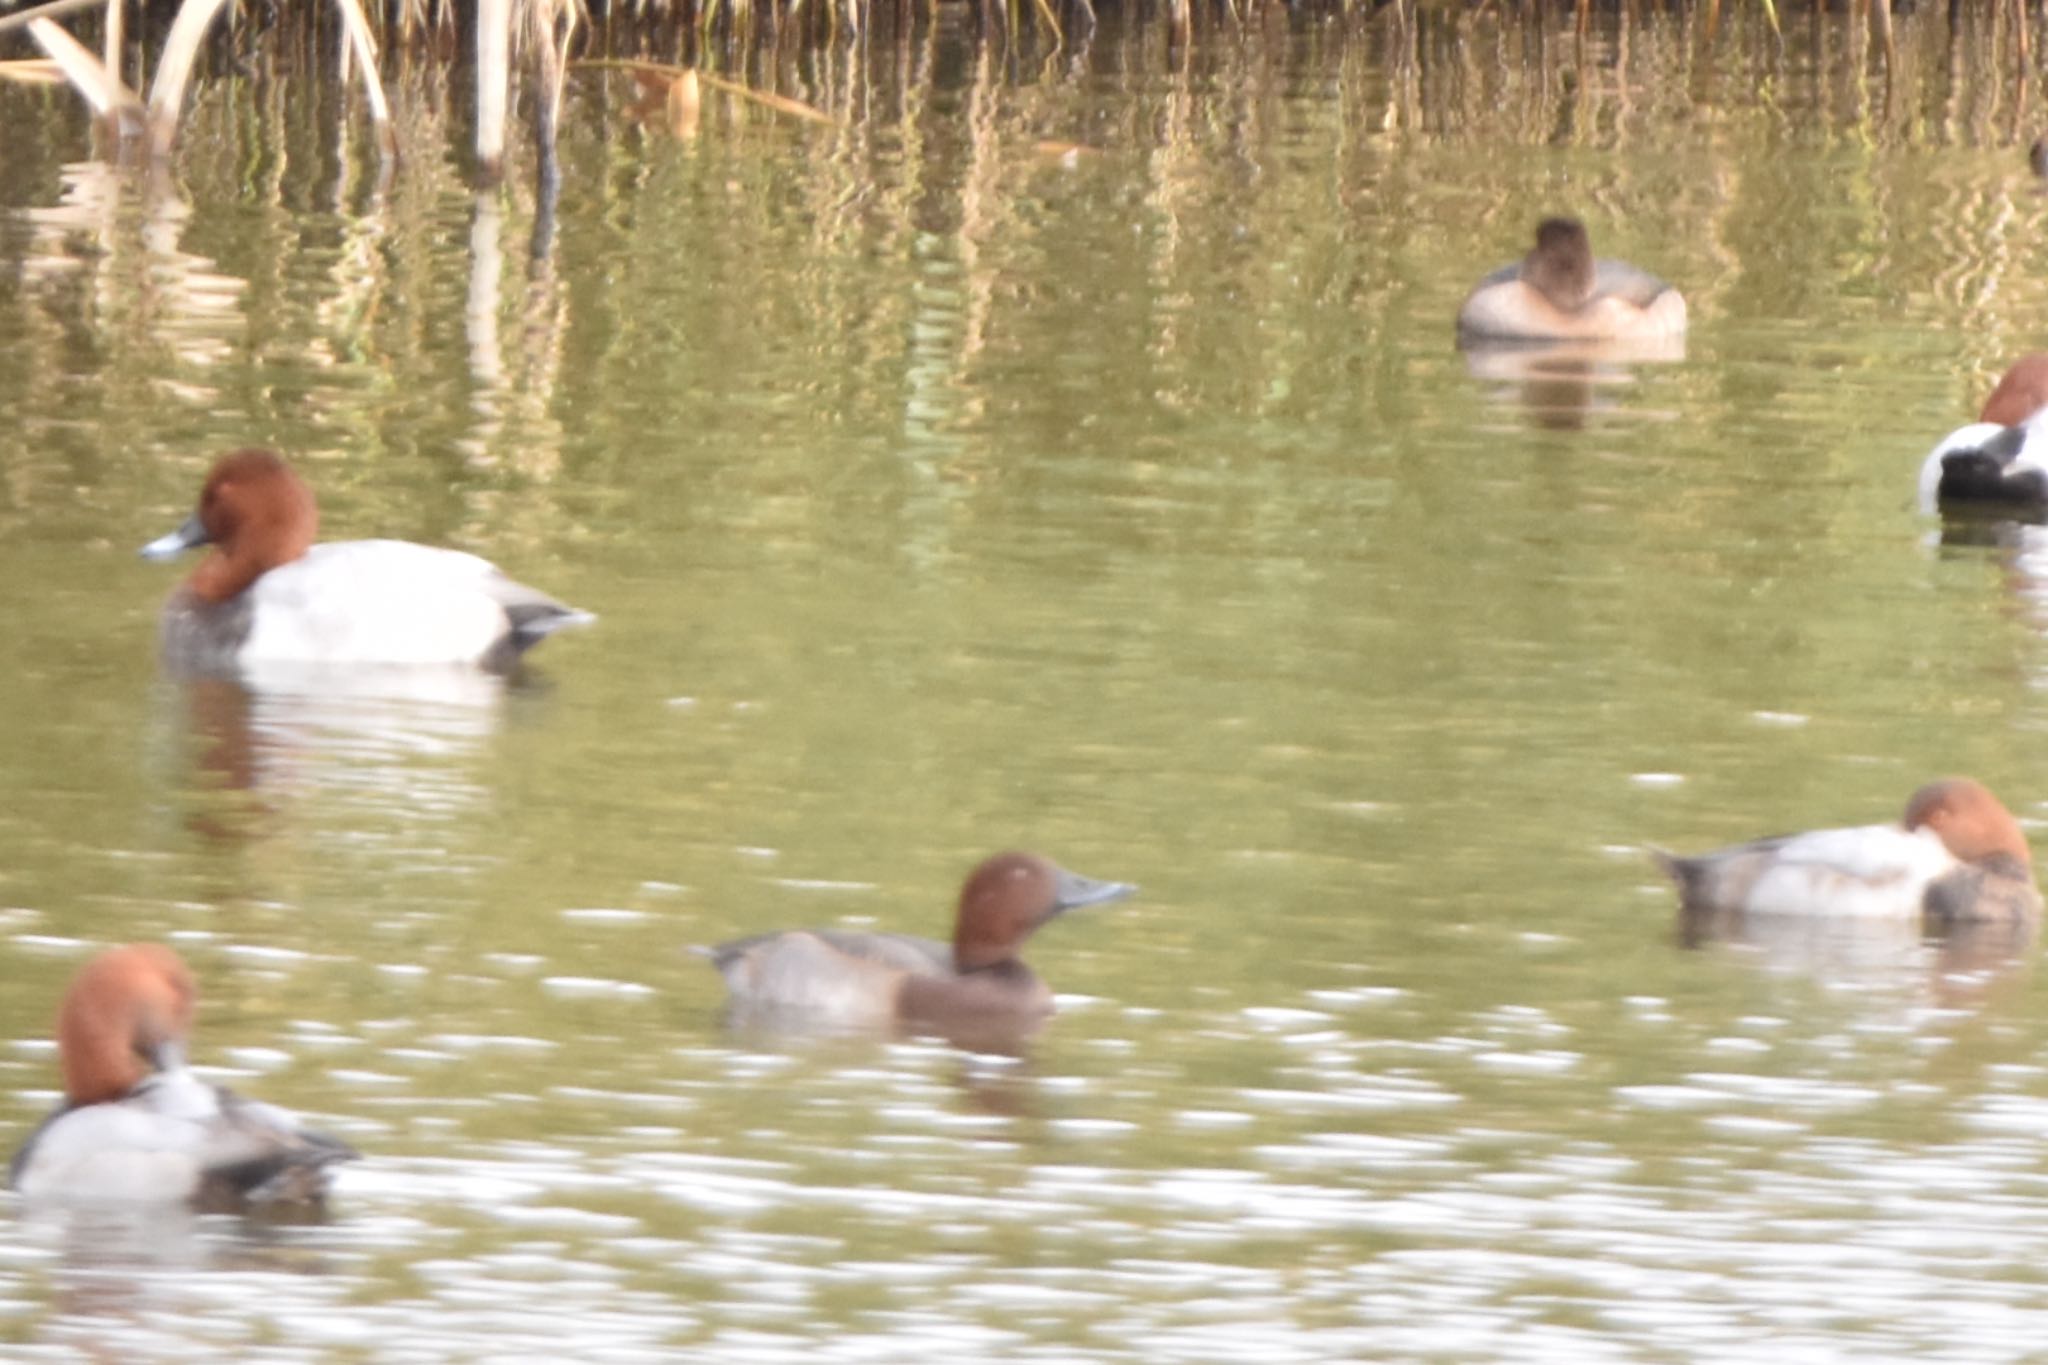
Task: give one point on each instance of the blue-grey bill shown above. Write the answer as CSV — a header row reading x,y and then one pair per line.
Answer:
x,y
178,541
1075,891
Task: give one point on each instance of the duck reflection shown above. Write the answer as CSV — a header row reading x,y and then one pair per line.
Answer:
x,y
2015,538
993,1068
404,739
1860,949
777,1027
1561,383
112,1261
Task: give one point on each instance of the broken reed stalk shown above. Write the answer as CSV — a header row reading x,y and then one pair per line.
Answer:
x,y
32,71
781,104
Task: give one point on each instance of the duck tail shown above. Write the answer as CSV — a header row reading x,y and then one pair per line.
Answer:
x,y
1684,872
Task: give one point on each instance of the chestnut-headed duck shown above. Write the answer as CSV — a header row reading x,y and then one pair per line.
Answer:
x,y
1558,292
137,1126
850,978
265,593
2002,457
1956,855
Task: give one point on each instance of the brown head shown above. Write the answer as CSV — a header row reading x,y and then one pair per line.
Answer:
x,y
1970,820
127,1014
2020,394
1561,265
255,512
1008,897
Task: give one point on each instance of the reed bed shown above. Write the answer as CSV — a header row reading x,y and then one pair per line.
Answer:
x,y
521,53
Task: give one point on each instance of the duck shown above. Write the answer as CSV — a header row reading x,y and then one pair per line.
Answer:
x,y
1956,856
848,978
267,594
137,1126
1559,292
2002,457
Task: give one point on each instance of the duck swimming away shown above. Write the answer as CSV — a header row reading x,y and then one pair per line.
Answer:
x,y
838,977
2002,457
1559,292
1956,855
136,1126
265,593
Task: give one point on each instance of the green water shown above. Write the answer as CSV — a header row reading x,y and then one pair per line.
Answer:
x,y
939,492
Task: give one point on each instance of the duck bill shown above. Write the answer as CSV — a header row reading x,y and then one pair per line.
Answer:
x,y
1074,891
177,542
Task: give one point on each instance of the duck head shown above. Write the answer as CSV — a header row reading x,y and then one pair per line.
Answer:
x,y
1971,822
1008,896
1560,267
127,1014
2022,392
255,512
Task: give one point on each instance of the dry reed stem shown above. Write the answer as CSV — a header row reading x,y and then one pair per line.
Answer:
x,y
1045,12
682,104
46,11
32,71
1881,15
545,17
493,83
88,75
363,44
174,69
110,46
554,32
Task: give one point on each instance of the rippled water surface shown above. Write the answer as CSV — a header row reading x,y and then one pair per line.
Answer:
x,y
1063,451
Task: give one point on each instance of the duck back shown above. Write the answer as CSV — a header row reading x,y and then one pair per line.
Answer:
x,y
1866,871
354,601
175,1138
